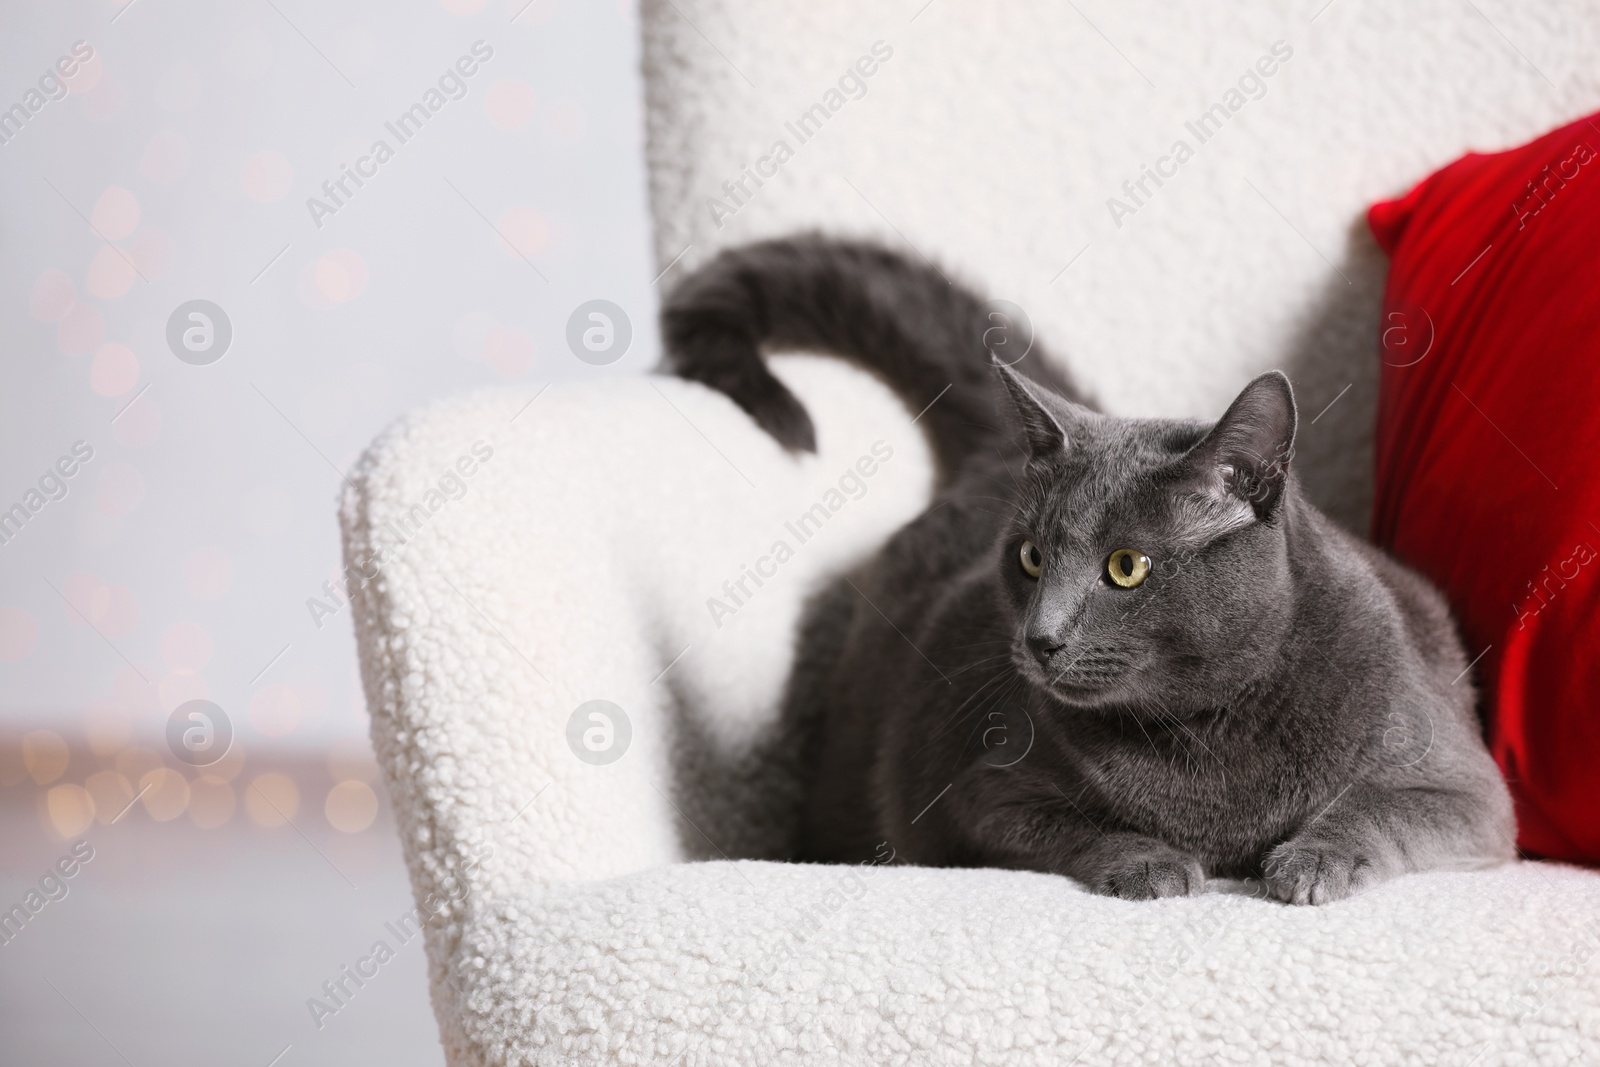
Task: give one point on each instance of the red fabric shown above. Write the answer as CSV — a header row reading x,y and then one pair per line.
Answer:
x,y
1488,450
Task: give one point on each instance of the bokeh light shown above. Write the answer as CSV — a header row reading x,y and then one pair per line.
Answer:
x,y
86,77
510,352
45,754
111,793
88,598
510,103
81,330
351,806
70,809
136,762
19,634
115,370
152,251
165,793
111,273
351,757
566,119
108,726
111,609
211,802
230,765
115,214
341,275
272,799
123,617
524,231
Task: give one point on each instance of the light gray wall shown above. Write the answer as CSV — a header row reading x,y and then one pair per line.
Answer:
x,y
207,513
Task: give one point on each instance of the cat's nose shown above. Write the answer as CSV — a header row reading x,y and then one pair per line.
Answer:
x,y
1044,645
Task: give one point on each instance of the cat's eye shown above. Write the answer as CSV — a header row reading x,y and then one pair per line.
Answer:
x,y
1032,559
1128,567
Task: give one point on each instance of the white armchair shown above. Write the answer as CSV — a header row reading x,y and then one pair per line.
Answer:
x,y
616,542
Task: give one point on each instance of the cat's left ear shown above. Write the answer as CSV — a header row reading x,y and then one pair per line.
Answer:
x,y
1245,458
1046,418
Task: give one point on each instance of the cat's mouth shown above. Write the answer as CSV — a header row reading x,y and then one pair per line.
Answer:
x,y
1080,670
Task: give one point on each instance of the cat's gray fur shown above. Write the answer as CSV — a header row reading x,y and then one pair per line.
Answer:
x,y
1278,699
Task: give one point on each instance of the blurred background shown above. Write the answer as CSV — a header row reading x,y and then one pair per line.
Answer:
x,y
186,555
237,241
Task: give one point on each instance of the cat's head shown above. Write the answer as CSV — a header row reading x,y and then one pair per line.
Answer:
x,y
1147,568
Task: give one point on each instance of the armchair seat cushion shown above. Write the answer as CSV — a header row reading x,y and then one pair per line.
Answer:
x,y
764,963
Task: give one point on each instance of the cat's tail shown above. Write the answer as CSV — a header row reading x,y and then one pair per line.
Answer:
x,y
933,340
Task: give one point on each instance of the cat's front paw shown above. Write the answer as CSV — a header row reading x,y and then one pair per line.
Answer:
x,y
1313,870
1148,875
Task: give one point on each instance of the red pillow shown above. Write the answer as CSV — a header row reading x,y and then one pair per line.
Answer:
x,y
1488,451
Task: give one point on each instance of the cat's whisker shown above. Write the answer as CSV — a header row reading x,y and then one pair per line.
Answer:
x,y
984,710
984,662
1190,763
956,716
1137,721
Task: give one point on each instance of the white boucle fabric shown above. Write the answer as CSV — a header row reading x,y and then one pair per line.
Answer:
x,y
578,561
758,963
577,564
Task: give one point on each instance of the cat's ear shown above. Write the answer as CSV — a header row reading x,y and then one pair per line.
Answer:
x,y
1044,418
1244,460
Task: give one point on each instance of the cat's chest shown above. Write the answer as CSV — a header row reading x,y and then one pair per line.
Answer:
x,y
1224,799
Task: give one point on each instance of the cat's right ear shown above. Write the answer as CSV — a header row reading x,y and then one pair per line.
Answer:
x,y
1244,459
1045,432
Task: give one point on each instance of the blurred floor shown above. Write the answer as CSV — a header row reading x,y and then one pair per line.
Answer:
x,y
198,939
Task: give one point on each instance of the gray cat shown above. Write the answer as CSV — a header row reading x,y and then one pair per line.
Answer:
x,y
1123,650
